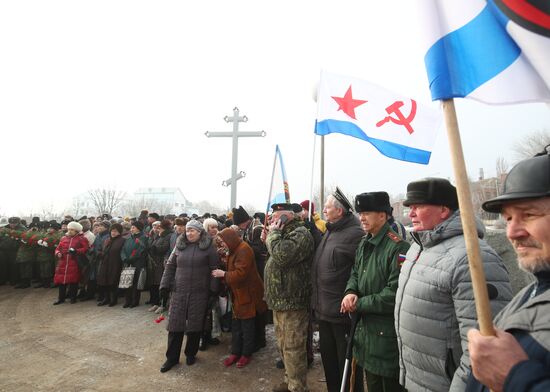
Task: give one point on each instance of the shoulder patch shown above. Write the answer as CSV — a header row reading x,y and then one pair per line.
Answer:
x,y
394,237
401,259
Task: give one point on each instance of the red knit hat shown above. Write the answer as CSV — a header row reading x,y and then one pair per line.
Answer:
x,y
305,206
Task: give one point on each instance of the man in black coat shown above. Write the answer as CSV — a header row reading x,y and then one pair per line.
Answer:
x,y
330,272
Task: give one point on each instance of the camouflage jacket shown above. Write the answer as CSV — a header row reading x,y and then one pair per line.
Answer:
x,y
287,272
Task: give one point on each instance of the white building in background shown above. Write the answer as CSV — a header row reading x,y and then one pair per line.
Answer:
x,y
164,200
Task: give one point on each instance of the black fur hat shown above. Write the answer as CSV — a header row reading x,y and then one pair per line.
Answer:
x,y
373,201
240,215
436,191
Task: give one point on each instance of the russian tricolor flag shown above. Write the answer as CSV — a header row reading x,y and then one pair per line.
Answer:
x,y
496,52
398,127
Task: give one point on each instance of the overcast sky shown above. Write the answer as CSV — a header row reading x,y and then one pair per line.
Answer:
x,y
120,93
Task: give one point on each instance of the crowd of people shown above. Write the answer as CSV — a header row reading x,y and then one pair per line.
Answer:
x,y
411,298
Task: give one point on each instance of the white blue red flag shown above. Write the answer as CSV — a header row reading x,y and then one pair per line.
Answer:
x,y
495,51
278,191
398,127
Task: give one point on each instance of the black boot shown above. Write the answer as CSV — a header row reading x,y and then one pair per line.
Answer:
x,y
105,301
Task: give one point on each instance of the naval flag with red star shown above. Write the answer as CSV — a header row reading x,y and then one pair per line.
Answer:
x,y
398,127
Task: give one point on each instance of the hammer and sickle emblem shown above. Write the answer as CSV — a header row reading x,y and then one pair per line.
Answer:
x,y
399,119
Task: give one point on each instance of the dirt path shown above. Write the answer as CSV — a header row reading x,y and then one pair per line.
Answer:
x,y
83,347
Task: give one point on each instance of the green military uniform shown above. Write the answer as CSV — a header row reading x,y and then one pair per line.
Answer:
x,y
9,243
26,256
287,292
374,279
45,256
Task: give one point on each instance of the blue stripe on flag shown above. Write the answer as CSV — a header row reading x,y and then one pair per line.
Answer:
x,y
278,198
389,149
463,60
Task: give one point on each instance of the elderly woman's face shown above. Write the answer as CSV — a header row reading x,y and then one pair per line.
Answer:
x,y
72,232
192,235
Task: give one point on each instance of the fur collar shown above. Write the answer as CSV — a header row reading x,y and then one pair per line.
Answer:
x,y
205,241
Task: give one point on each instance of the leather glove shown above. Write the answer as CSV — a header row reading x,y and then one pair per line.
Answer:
x,y
72,251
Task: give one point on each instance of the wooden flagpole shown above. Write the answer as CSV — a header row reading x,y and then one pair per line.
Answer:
x,y
479,283
310,213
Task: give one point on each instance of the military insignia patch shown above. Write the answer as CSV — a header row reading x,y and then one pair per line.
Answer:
x,y
394,237
401,259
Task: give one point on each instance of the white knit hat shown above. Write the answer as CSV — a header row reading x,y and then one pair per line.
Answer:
x,y
75,226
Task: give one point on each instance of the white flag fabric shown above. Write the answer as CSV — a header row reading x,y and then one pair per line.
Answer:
x,y
398,127
495,51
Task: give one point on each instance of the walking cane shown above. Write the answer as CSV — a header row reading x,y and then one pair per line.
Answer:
x,y
354,319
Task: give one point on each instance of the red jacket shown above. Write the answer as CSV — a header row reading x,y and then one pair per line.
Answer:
x,y
67,271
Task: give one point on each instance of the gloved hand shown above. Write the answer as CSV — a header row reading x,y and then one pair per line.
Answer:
x,y
164,293
39,242
72,251
44,243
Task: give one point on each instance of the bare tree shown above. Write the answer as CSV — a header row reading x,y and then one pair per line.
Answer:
x,y
106,200
502,166
49,212
531,144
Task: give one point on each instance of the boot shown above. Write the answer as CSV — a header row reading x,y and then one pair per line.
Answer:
x,y
243,361
230,360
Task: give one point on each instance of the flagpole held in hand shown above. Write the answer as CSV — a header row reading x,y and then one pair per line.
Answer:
x,y
349,350
479,283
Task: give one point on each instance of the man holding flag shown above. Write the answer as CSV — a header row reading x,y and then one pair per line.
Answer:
x,y
518,357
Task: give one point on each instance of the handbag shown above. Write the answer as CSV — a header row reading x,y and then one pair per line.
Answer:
x,y
227,317
142,279
126,277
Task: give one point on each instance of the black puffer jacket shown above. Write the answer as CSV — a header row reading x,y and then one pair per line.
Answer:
x,y
331,267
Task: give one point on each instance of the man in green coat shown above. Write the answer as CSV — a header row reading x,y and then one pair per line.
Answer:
x,y
371,292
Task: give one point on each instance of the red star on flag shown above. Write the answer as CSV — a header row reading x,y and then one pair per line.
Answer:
x,y
347,104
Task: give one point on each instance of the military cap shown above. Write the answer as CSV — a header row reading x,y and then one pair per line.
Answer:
x,y
54,225
529,179
430,190
15,220
339,195
373,201
282,207
240,215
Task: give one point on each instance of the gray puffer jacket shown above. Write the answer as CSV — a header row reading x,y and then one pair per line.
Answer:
x,y
435,306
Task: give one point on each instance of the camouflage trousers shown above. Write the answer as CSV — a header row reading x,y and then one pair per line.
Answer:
x,y
291,333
